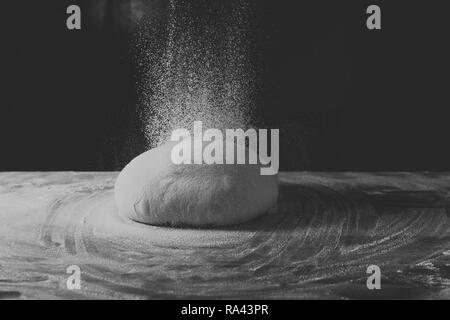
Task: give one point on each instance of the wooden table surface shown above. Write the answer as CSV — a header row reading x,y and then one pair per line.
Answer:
x,y
327,229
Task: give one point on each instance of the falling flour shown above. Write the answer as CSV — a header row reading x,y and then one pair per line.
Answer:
x,y
197,65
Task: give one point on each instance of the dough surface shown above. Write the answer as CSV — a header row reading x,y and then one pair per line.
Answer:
x,y
151,189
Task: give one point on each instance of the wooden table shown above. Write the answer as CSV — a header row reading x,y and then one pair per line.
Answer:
x,y
328,228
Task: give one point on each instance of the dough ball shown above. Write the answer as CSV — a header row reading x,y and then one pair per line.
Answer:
x,y
151,189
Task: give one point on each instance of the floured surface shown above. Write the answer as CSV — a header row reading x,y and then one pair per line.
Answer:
x,y
327,230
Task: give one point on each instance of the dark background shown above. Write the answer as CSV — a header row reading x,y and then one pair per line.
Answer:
x,y
344,97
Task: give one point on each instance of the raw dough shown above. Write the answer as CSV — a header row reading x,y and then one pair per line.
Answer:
x,y
151,189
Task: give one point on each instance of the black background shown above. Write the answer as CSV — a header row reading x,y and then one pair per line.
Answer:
x,y
344,97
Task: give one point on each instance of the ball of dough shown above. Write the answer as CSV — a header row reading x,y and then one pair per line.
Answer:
x,y
151,189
